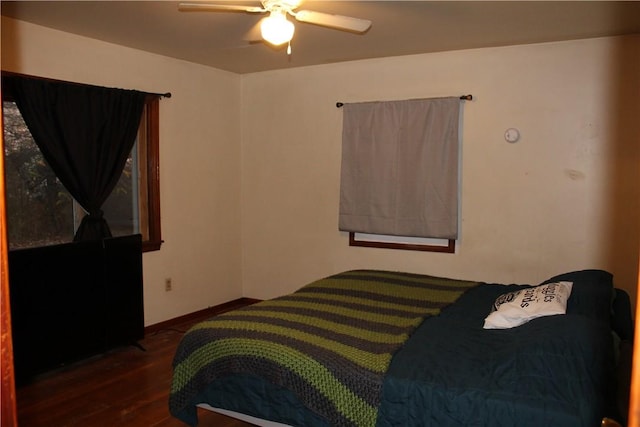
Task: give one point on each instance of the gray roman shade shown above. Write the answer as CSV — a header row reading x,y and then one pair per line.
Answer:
x,y
400,168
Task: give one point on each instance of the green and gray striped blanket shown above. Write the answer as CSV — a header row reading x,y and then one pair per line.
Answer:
x,y
330,342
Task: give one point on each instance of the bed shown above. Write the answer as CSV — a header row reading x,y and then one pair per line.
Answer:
x,y
382,348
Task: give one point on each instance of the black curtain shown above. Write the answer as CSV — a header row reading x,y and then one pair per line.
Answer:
x,y
85,133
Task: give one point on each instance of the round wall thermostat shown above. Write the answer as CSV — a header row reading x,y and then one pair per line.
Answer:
x,y
512,135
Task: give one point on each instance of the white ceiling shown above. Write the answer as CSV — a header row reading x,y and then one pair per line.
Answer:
x,y
217,39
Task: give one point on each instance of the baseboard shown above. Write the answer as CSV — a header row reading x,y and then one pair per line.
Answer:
x,y
211,311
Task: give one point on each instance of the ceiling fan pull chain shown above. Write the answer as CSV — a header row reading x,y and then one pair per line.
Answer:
x,y
289,48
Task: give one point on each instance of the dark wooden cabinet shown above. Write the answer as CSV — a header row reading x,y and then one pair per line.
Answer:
x,y
74,300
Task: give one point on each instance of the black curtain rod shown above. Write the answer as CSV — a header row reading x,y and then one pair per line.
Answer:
x,y
463,97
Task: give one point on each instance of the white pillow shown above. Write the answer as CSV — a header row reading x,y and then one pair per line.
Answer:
x,y
516,308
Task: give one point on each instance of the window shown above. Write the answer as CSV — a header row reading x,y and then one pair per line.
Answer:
x,y
41,212
399,174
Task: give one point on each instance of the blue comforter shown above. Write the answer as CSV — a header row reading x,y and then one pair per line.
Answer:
x,y
552,371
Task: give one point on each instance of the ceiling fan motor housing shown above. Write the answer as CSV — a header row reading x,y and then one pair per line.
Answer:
x,y
281,5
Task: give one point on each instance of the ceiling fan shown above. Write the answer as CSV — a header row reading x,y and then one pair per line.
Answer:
x,y
275,28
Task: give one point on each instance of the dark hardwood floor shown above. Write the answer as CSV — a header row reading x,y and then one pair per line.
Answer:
x,y
125,387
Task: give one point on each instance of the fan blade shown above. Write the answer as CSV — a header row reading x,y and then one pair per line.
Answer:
x,y
338,22
210,7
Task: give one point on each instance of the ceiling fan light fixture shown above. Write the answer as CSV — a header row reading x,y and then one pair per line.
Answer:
x,y
276,29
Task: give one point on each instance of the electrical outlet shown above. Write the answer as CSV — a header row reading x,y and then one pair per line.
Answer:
x,y
167,284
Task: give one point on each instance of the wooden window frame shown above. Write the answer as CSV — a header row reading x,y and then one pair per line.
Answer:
x,y
152,160
450,248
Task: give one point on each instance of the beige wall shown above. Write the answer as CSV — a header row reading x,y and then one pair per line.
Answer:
x,y
565,197
199,157
250,164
